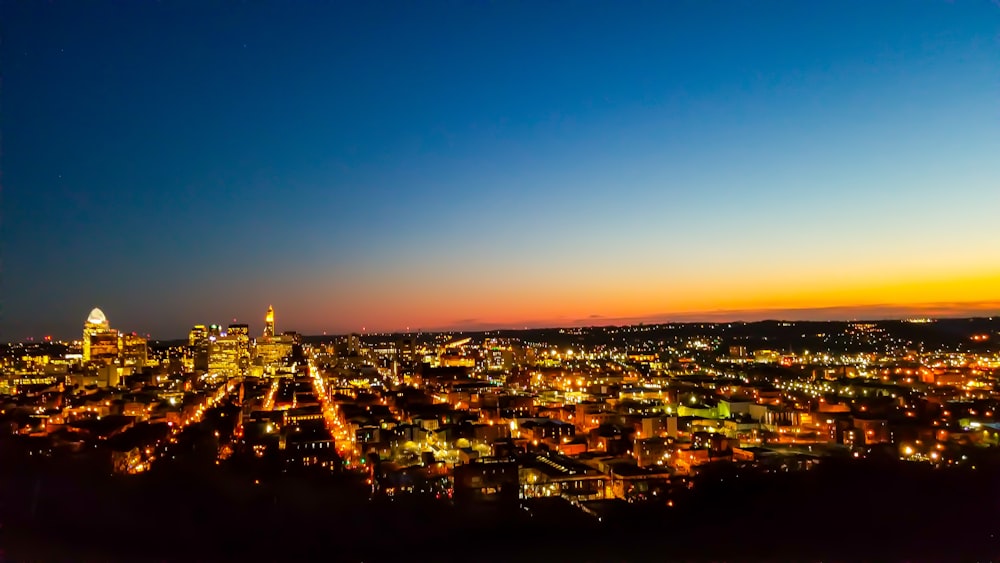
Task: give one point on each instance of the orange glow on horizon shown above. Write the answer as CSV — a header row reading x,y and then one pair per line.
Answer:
x,y
545,302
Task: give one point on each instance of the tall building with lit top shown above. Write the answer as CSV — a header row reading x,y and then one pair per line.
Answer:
x,y
269,323
198,334
273,348
100,341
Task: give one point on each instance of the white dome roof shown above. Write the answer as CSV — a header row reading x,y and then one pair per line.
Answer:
x,y
97,317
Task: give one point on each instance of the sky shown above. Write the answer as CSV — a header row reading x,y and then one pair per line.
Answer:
x,y
386,166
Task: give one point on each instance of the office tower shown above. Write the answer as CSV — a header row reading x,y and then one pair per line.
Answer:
x,y
198,334
134,350
242,329
241,334
354,344
406,357
198,348
100,341
228,354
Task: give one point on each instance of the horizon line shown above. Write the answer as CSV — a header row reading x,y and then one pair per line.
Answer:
x,y
835,313
873,312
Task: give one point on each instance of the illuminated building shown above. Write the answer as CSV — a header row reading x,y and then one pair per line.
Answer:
x,y
242,333
133,349
406,350
558,475
198,353
239,329
217,351
100,341
738,352
456,360
197,335
228,355
272,349
405,360
766,356
453,354
354,345
269,323
499,355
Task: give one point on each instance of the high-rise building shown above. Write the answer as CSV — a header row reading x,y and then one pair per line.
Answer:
x,y
239,329
406,356
269,323
271,352
134,350
100,341
198,334
354,344
228,354
241,333
197,356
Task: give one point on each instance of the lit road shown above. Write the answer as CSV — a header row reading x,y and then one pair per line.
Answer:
x,y
269,399
344,441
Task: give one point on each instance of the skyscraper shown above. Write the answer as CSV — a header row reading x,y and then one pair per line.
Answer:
x,y
269,323
241,329
100,341
134,350
197,356
197,335
241,333
228,354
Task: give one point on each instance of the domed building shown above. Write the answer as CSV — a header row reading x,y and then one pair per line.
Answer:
x,y
97,318
100,341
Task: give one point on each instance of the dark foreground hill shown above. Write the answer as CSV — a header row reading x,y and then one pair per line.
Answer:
x,y
838,511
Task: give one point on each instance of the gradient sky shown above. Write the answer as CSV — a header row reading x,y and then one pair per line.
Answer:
x,y
474,164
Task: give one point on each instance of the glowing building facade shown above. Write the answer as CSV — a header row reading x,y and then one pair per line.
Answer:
x,y
134,350
100,341
196,358
241,333
269,323
198,334
272,351
228,354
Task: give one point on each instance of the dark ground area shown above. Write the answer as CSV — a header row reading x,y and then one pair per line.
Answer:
x,y
850,511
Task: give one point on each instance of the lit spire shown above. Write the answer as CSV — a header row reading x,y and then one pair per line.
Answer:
x,y
269,322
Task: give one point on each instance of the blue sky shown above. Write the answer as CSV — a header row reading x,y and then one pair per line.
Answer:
x,y
385,165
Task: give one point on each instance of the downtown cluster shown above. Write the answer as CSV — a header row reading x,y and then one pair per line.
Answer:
x,y
597,417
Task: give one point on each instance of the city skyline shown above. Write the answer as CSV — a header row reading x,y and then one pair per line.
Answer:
x,y
876,313
500,166
506,281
